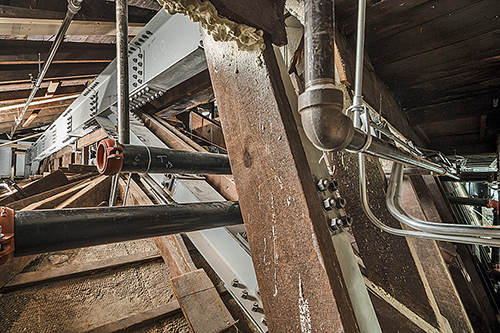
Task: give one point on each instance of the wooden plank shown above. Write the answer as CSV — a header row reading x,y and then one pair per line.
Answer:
x,y
51,181
390,261
92,195
26,26
20,204
175,254
90,138
80,168
14,73
275,186
145,317
440,281
199,301
57,199
27,279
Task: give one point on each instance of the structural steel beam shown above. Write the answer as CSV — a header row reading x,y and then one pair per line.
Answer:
x,y
297,267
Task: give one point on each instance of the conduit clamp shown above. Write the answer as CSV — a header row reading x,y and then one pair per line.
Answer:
x,y
109,158
6,235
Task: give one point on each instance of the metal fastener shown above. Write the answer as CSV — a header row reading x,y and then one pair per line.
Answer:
x,y
322,185
255,306
329,203
235,283
244,294
334,224
340,203
333,186
264,320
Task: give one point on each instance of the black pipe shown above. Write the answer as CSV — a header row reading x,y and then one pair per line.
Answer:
x,y
495,251
319,41
481,202
43,231
141,159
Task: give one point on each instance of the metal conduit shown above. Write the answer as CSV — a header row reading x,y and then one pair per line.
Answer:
x,y
122,71
393,200
73,8
411,233
43,231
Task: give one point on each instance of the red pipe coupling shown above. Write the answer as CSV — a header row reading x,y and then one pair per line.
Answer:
x,y
109,158
6,235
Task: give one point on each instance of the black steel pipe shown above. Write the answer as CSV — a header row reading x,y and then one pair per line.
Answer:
x,y
122,71
41,231
319,41
481,202
142,159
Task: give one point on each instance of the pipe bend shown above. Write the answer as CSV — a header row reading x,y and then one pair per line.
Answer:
x,y
393,202
322,119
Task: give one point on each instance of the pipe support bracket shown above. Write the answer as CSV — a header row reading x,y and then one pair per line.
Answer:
x,y
6,235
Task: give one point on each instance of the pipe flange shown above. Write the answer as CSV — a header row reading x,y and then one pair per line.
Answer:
x,y
322,119
6,235
74,6
109,157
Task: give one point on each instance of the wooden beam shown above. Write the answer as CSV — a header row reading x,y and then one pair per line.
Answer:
x,y
294,266
440,281
90,138
91,196
152,315
28,279
20,73
51,181
200,300
30,26
390,261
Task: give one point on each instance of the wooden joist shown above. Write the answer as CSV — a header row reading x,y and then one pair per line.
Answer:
x,y
92,195
51,181
27,279
200,303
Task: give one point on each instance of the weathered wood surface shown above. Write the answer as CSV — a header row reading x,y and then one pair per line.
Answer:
x,y
27,279
295,265
428,252
51,181
92,195
200,303
145,317
80,168
175,254
390,261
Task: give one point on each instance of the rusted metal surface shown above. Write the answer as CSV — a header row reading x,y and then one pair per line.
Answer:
x,y
294,259
389,260
440,281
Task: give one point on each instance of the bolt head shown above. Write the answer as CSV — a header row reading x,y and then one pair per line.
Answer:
x,y
244,294
255,306
322,185
264,320
235,283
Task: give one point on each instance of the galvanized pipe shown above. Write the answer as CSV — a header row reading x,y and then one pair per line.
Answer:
x,y
411,233
357,101
385,150
142,159
43,231
73,8
393,200
122,71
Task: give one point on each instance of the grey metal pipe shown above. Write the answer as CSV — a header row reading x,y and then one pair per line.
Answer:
x,y
357,101
411,233
122,71
73,8
383,149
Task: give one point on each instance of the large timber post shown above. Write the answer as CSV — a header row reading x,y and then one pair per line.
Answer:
x,y
296,264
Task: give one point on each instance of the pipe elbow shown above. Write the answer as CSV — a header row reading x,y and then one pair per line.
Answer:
x,y
322,119
6,235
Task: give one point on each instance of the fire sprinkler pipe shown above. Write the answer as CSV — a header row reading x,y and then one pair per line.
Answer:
x,y
73,8
113,158
122,71
40,231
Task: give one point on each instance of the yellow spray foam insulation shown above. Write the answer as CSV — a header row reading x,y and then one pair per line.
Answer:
x,y
221,29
